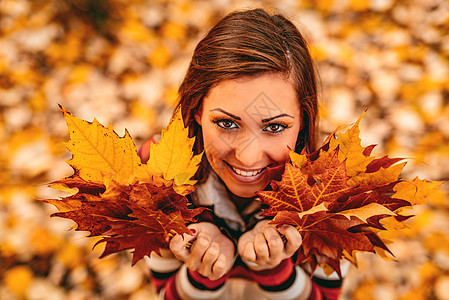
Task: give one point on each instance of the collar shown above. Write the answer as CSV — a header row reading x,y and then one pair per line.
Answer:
x,y
213,192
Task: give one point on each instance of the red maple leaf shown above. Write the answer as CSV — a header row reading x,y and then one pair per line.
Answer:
x,y
336,198
131,205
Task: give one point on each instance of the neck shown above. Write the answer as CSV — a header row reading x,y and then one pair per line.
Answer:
x,y
240,202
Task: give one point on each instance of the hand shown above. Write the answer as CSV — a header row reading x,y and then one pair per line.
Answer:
x,y
211,254
264,246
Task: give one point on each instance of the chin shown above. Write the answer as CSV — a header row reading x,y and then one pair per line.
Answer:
x,y
244,194
244,191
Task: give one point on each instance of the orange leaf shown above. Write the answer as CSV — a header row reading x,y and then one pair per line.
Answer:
x,y
172,156
98,151
350,150
114,196
337,197
415,191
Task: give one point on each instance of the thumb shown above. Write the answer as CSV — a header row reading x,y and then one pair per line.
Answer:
x,y
178,245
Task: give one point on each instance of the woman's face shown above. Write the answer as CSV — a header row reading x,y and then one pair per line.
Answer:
x,y
247,124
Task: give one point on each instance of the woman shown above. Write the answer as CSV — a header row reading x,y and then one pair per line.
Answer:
x,y
248,95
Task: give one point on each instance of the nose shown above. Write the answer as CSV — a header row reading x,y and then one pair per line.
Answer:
x,y
249,151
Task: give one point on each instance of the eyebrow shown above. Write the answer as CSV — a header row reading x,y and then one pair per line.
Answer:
x,y
225,112
266,120
275,117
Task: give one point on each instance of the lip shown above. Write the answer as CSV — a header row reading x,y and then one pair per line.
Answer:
x,y
245,179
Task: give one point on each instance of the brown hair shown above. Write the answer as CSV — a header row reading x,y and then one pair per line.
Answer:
x,y
246,43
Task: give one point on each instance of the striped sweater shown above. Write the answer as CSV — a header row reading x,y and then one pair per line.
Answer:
x,y
173,280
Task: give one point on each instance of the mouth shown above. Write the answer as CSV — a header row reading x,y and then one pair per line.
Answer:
x,y
246,176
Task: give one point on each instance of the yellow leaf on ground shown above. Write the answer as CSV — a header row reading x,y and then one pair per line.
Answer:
x,y
436,241
429,271
70,255
160,57
43,242
364,290
18,279
98,151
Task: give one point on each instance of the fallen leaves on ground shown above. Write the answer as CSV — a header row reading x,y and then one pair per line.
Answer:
x,y
122,63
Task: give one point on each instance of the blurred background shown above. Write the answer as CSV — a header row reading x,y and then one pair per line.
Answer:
x,y
122,61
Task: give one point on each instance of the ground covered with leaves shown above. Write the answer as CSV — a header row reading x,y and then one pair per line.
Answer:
x,y
121,62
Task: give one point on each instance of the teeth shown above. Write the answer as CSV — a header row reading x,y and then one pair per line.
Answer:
x,y
247,174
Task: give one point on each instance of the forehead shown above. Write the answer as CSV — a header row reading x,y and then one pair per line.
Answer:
x,y
261,96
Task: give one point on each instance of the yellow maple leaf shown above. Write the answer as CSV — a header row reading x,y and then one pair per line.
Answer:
x,y
383,176
298,160
366,211
351,150
415,191
130,204
99,155
98,151
172,156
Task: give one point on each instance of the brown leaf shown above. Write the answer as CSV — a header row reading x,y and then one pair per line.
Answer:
x,y
337,196
129,204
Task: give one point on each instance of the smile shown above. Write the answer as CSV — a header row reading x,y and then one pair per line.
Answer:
x,y
245,176
246,173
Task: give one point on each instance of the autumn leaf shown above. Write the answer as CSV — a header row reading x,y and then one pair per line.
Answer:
x,y
337,197
172,156
129,204
416,190
350,149
98,151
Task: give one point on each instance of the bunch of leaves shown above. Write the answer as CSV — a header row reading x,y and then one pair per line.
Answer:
x,y
130,204
340,198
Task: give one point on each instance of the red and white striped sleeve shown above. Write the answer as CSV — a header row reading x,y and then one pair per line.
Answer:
x,y
285,281
173,280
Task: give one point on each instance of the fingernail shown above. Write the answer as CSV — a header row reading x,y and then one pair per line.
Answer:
x,y
193,231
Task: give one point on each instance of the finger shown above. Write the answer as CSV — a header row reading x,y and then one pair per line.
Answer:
x,y
261,248
261,225
219,267
275,244
294,239
194,229
248,252
177,247
241,244
166,253
199,247
209,258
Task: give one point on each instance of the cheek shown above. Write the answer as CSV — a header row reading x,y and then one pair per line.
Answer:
x,y
278,151
214,146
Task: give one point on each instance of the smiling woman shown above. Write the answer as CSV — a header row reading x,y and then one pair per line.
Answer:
x,y
241,144
248,96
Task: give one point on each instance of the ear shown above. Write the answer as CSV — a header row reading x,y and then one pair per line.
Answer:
x,y
198,118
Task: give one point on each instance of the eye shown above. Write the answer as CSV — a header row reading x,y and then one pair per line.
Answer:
x,y
225,124
275,127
